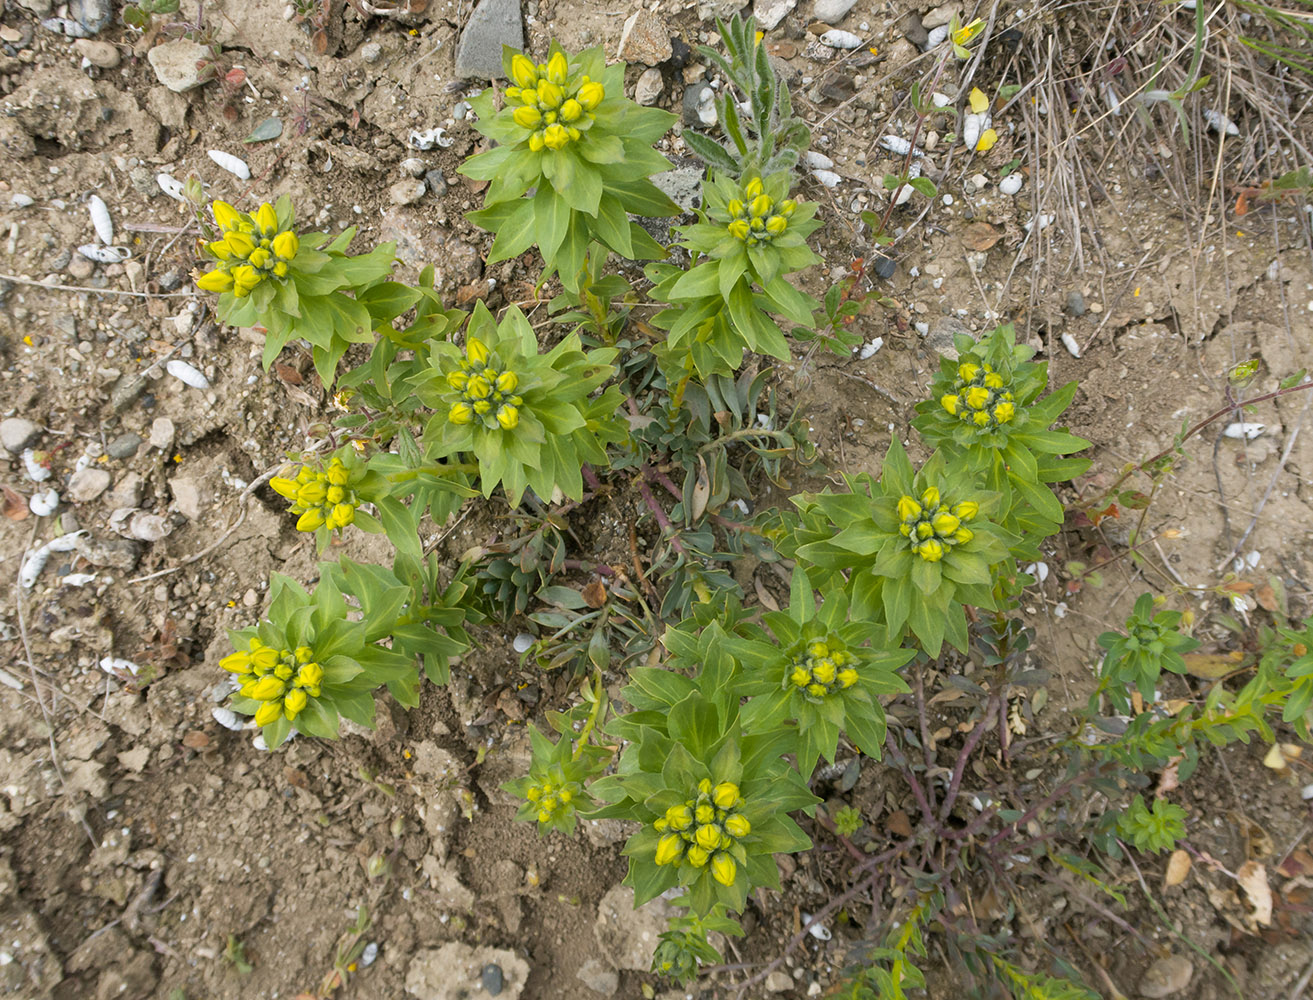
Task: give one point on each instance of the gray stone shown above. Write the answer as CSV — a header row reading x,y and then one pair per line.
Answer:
x,y
114,553
779,981
126,492
103,54
493,24
371,52
941,15
683,186
93,15
87,484
645,39
41,8
124,446
161,433
127,390
455,972
1075,303
698,97
406,192
187,497
492,979
176,64
709,10
1166,976
16,433
649,87
832,11
81,268
628,937
598,977
148,527
769,13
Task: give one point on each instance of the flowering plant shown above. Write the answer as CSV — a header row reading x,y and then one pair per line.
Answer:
x,y
748,238
568,132
531,420
293,286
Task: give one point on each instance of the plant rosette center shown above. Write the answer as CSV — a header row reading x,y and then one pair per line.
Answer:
x,y
324,498
933,527
282,680
253,247
553,102
818,669
756,217
486,390
704,832
553,797
981,397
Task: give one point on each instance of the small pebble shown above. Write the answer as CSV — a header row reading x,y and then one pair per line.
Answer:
x,y
884,267
371,52
492,979
406,192
1075,302
124,446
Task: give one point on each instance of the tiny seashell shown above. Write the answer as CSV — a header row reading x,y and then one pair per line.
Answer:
x,y
1219,122
43,504
413,166
827,177
22,201
430,138
936,36
66,26
227,718
78,579
1011,184
904,194
118,666
522,642
32,566
868,350
940,100
1254,558
817,161
837,38
100,219
36,472
258,742
1069,342
1039,570
171,186
105,255
1244,430
1306,792
972,126
818,930
185,372
1043,221
896,144
235,165
65,543
369,955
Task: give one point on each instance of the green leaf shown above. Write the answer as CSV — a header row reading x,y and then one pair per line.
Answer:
x,y
270,128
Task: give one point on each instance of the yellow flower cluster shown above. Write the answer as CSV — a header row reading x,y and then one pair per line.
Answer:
x,y
755,218
703,830
321,497
552,797
980,397
933,527
550,108
283,680
821,670
486,393
252,249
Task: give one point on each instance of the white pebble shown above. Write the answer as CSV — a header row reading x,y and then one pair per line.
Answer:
x,y
22,201
896,144
185,372
868,350
43,504
973,125
414,166
1069,342
1219,122
1244,430
940,100
235,165
948,199
118,666
369,955
522,642
1011,184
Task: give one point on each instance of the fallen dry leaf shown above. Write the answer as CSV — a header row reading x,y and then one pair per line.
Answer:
x,y
1252,877
1170,779
15,506
594,594
980,236
1280,755
288,374
195,739
1266,597
898,824
1178,867
1212,666
765,596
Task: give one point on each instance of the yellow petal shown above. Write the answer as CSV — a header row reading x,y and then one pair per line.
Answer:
x,y
986,141
979,102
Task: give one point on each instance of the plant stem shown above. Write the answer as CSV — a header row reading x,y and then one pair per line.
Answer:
x,y
911,151
662,519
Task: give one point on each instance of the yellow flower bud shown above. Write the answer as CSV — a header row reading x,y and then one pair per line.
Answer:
x,y
723,868
704,813
787,207
925,530
993,381
976,397
558,68
963,535
268,712
239,244
591,95
523,71
800,677
344,514
945,524
761,205
527,117
818,649
571,111
848,677
1004,412
824,671
304,654
565,796
508,417
950,403
816,690
669,848
477,351
286,244
908,509
930,498
698,856
573,133
310,675
753,188
980,418
738,826
458,379
337,474
215,281
268,688
312,493
245,277
264,658
966,510
294,702
550,95
335,494
776,224
311,520
266,219
219,248
225,215
967,371
735,207
460,413
533,793
507,382
536,142
555,137
548,803
931,550
478,387
739,229
726,795
260,257
283,671
236,663
679,817
708,837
